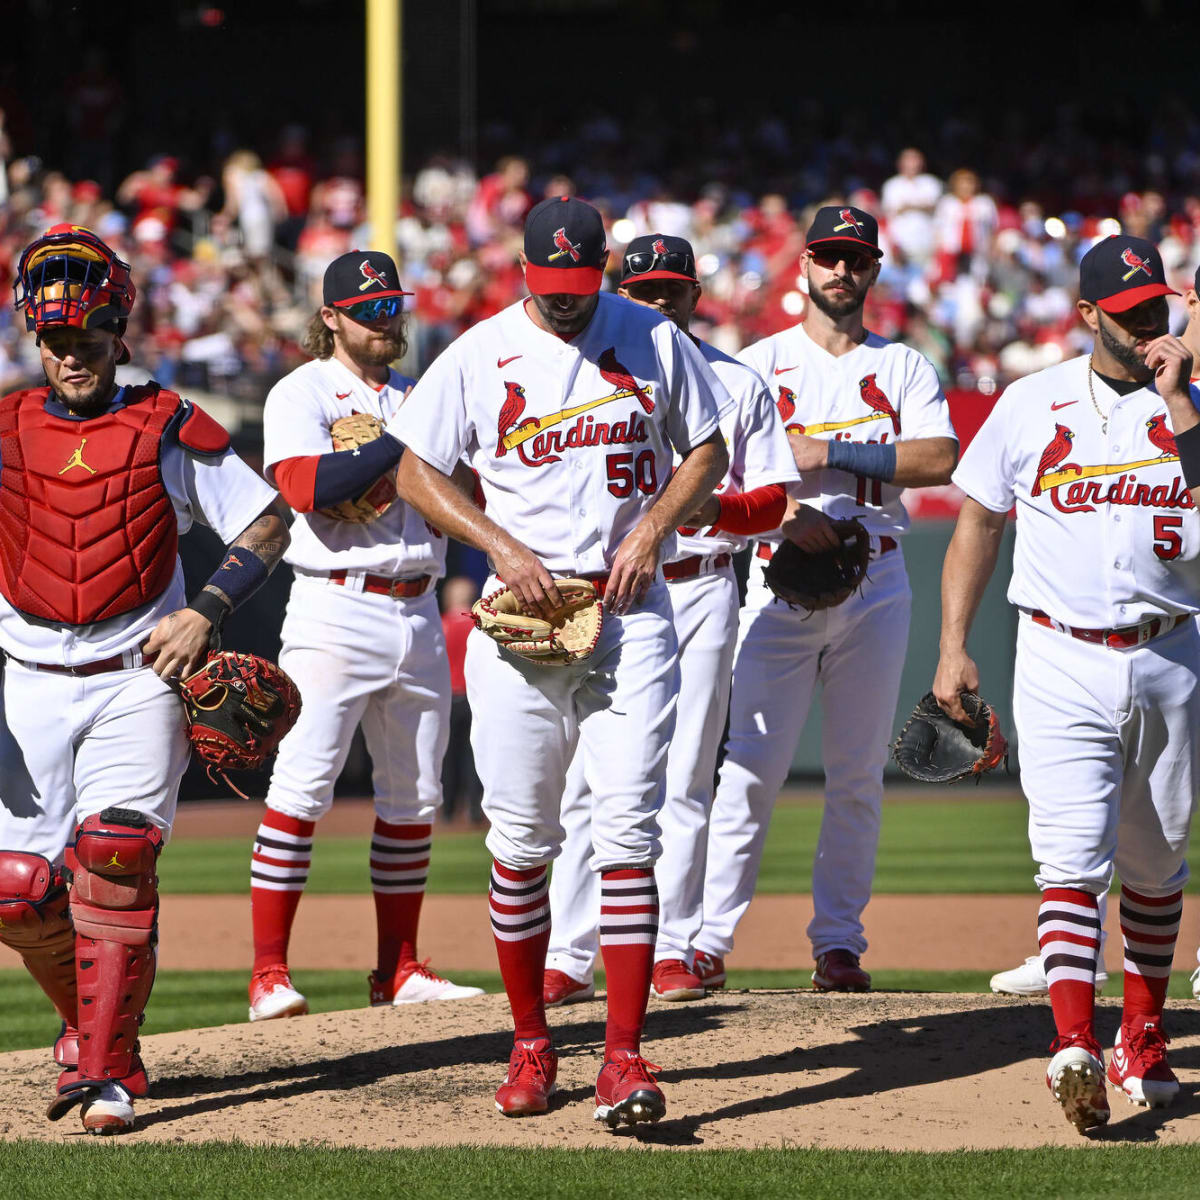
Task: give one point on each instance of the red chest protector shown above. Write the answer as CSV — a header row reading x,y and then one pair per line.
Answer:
x,y
87,530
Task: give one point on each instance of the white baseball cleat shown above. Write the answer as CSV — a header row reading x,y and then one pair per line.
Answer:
x,y
1075,1077
108,1110
415,983
1196,983
272,995
1029,979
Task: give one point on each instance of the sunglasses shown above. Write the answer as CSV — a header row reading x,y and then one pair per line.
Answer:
x,y
853,259
383,308
642,261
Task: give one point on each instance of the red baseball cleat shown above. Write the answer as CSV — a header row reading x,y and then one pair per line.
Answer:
x,y
710,969
673,981
529,1084
272,994
838,971
626,1091
1138,1065
559,988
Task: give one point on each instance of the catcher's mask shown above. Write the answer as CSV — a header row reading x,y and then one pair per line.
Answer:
x,y
69,276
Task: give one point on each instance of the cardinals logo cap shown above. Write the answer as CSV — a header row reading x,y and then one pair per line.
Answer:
x,y
565,248
658,256
360,275
843,223
1121,272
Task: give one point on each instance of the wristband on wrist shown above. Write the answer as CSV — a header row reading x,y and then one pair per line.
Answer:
x,y
239,576
215,610
875,459
1188,445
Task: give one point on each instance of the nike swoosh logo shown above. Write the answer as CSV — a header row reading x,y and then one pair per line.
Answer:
x,y
781,370
503,362
1064,404
341,395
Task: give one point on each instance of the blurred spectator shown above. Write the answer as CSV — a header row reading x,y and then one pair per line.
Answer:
x,y
461,790
498,208
966,219
254,201
908,201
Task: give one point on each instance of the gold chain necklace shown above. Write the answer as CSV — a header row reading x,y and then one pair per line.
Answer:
x,y
1092,393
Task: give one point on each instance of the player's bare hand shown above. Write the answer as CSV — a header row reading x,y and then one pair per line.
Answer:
x,y
956,673
179,644
707,514
1171,362
633,569
809,528
523,572
810,453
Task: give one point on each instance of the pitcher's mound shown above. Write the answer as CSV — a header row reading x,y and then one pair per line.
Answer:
x,y
740,1069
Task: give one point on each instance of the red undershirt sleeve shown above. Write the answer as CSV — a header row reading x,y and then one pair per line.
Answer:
x,y
757,511
297,481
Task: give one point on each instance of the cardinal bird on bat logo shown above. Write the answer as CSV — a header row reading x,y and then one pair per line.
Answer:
x,y
1059,448
565,246
849,221
659,246
1135,263
1161,437
510,414
873,397
372,276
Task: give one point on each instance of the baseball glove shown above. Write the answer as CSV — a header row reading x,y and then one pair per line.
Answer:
x,y
935,749
239,706
569,636
348,433
815,580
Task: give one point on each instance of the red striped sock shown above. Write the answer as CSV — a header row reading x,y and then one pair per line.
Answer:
x,y
1149,927
520,910
278,872
628,928
1069,937
399,866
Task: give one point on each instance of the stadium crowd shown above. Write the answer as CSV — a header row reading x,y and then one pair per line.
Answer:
x,y
979,270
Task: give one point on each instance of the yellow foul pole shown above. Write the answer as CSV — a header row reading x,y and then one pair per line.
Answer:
x,y
383,121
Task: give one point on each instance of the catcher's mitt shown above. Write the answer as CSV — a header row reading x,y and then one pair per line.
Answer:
x,y
348,433
824,578
239,706
569,636
935,749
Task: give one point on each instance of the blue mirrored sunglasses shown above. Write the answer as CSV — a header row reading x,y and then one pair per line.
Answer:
x,y
382,308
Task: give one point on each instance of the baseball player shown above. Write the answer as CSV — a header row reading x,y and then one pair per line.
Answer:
x,y
866,418
570,405
362,639
1101,456
660,272
98,483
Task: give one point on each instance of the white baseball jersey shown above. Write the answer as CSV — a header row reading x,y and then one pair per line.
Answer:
x,y
299,411
759,453
222,493
1107,534
572,439
880,391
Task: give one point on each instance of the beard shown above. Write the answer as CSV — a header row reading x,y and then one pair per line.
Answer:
x,y
381,352
90,403
836,306
566,324
1125,353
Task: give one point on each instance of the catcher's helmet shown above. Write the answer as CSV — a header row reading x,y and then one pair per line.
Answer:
x,y
69,276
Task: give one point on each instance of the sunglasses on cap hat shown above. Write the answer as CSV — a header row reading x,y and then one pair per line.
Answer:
x,y
828,257
382,308
642,261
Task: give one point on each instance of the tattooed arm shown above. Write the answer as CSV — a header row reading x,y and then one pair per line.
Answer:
x,y
181,639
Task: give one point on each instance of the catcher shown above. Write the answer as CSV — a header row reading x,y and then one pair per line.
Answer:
x,y
362,637
99,480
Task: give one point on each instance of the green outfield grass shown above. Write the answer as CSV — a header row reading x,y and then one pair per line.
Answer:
x,y
976,845
37,1171
194,999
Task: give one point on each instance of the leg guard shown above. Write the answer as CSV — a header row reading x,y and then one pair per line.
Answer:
x,y
35,923
114,904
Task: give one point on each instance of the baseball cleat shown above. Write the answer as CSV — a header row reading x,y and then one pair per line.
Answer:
x,y
529,1084
1138,1065
415,983
1029,979
1075,1078
1196,983
108,1110
838,971
272,994
673,981
710,969
627,1091
559,988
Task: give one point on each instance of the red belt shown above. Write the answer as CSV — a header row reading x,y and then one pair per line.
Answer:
x,y
398,589
1118,639
886,546
100,667
686,568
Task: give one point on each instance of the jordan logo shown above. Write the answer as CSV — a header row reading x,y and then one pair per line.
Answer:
x,y
115,862
76,459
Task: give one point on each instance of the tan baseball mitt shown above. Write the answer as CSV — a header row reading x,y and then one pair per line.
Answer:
x,y
347,434
569,636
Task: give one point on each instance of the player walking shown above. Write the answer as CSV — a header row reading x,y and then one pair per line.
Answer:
x,y
867,418
98,483
569,405
660,272
362,639
1100,456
